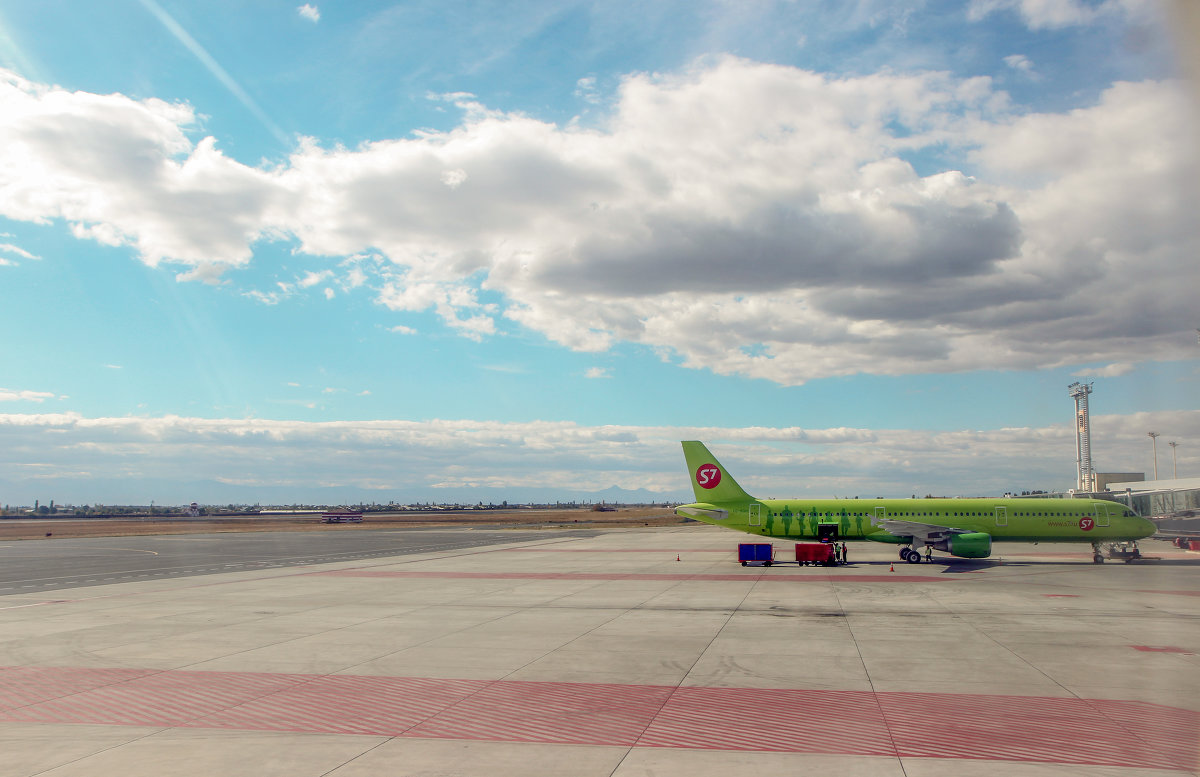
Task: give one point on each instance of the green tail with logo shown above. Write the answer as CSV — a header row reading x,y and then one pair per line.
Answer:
x,y
710,482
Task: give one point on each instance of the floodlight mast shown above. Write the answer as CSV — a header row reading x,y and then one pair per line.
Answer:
x,y
1083,436
1154,444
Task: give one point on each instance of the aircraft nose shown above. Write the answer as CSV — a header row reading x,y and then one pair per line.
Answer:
x,y
1147,527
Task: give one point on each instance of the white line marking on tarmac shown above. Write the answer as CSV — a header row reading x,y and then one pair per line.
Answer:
x,y
188,539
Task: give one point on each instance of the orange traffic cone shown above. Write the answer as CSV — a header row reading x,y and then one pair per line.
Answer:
x,y
893,569
677,557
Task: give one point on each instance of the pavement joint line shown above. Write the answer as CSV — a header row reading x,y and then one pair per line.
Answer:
x,y
870,680
733,611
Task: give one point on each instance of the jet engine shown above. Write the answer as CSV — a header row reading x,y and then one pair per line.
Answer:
x,y
975,544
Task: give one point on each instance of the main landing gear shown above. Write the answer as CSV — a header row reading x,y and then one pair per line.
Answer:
x,y
910,555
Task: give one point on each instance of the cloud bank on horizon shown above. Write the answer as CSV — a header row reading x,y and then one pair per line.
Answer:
x,y
457,461
778,207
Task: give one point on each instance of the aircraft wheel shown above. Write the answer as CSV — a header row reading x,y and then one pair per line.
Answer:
x,y
913,557
1097,559
904,554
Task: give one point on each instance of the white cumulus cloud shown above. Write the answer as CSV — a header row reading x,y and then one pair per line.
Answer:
x,y
738,217
13,250
13,395
1057,14
1021,64
1107,371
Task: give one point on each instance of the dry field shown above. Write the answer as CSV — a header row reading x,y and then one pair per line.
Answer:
x,y
43,528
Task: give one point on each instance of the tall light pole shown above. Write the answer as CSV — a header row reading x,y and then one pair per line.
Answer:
x,y
1154,442
1174,469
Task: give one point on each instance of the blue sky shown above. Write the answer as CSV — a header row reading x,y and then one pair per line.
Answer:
x,y
474,251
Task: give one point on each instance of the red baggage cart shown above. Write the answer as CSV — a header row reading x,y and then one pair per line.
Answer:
x,y
816,553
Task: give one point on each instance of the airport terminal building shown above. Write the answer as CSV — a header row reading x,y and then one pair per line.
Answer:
x,y
1161,500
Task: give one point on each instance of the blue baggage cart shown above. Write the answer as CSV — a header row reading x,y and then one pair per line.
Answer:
x,y
756,553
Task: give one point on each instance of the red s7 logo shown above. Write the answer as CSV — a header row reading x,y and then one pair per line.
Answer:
x,y
708,476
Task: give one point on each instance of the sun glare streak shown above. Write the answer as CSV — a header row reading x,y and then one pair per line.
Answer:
x,y
214,68
13,56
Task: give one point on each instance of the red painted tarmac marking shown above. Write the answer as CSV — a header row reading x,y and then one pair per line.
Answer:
x,y
573,713
771,720
772,577
1042,729
346,704
1152,649
934,725
143,698
23,686
616,550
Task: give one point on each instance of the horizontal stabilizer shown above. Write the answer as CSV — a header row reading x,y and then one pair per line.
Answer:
x,y
703,511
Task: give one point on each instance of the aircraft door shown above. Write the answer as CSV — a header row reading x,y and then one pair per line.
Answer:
x,y
1101,511
1001,516
880,514
756,514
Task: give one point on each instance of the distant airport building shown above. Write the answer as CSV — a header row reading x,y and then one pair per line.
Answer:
x,y
1160,499
1105,480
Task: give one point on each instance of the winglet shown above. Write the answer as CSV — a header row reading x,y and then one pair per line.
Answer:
x,y
710,481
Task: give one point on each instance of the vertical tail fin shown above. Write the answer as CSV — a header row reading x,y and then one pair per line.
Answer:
x,y
710,481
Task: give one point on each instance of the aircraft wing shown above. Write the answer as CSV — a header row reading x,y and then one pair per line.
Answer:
x,y
922,533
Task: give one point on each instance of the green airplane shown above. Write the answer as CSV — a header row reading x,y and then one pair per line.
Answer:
x,y
960,527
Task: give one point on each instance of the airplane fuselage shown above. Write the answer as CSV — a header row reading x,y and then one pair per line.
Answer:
x,y
1014,520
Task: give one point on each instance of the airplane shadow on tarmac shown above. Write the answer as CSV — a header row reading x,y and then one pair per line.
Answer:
x,y
949,566
958,566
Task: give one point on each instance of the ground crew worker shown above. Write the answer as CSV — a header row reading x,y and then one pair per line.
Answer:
x,y
843,552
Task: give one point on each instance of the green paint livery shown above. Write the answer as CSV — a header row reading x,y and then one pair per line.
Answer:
x,y
960,527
